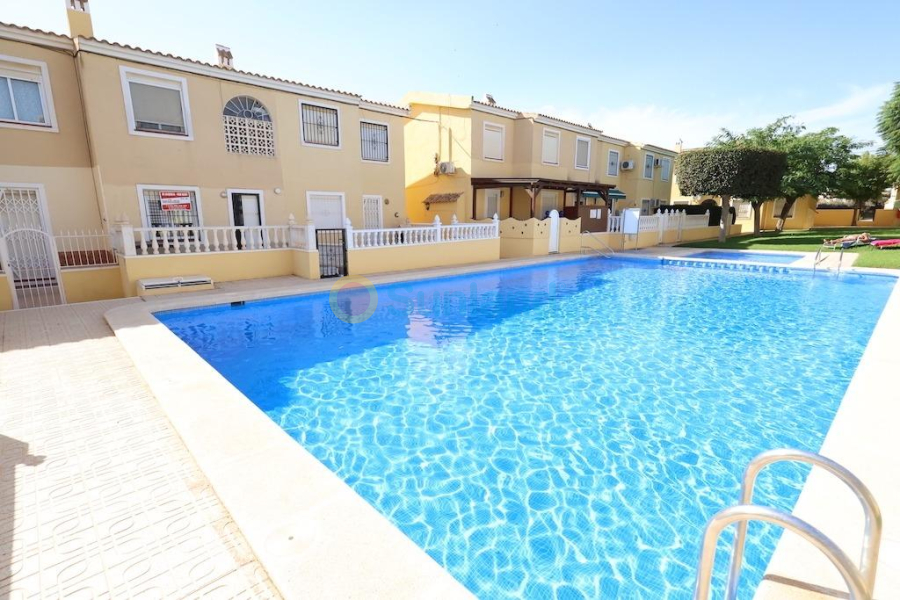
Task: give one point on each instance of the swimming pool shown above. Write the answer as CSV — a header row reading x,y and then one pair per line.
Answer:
x,y
763,257
560,431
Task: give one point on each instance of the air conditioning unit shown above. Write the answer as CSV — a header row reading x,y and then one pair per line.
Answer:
x,y
446,168
627,165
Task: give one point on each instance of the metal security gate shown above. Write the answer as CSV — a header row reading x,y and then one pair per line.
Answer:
x,y
27,250
332,245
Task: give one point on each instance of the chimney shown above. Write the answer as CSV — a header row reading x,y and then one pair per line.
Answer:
x,y
226,58
79,14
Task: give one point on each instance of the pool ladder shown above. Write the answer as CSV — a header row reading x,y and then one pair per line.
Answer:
x,y
597,250
820,259
859,580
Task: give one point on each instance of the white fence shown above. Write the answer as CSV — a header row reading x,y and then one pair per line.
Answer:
x,y
148,241
419,234
84,248
614,224
669,220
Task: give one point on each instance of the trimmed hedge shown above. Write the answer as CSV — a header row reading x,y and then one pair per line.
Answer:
x,y
743,172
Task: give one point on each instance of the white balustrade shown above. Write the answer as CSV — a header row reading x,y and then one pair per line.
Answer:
x,y
696,221
648,223
198,240
614,224
419,234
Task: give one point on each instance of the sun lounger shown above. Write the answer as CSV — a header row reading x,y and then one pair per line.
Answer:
x,y
882,244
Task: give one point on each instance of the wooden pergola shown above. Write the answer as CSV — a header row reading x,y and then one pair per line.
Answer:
x,y
535,185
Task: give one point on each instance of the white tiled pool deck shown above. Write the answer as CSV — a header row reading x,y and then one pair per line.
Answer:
x,y
99,498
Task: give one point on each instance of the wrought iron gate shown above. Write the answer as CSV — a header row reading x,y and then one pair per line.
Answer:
x,y
27,250
332,245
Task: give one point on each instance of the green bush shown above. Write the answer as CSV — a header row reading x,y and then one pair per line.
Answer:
x,y
741,172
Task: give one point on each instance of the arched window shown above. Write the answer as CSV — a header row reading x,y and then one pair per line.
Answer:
x,y
248,127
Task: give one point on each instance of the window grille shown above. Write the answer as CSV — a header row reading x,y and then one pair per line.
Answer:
x,y
320,125
374,140
157,217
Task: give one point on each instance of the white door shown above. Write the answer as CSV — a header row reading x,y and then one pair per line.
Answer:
x,y
326,210
554,231
372,212
491,203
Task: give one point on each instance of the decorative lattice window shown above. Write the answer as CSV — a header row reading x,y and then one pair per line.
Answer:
x,y
248,127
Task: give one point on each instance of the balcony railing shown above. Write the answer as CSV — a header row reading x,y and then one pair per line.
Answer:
x,y
420,234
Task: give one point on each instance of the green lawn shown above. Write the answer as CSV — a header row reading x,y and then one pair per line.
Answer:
x,y
810,241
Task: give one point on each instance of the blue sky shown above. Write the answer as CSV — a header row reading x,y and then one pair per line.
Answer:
x,y
648,71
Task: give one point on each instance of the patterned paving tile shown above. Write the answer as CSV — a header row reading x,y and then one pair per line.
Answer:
x,y
99,498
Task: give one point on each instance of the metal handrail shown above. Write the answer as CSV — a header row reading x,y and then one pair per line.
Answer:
x,y
744,513
868,561
607,246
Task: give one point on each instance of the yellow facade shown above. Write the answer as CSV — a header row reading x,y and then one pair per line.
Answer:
x,y
404,258
443,128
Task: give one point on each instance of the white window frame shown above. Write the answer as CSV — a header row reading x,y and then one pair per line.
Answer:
x,y
545,193
340,129
665,168
43,87
343,196
485,212
552,132
502,129
609,162
155,78
644,166
145,218
262,204
583,138
361,121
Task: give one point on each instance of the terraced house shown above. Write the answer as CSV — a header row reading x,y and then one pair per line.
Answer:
x,y
97,135
469,160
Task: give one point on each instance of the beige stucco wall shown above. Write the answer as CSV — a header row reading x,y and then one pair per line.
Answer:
x,y
522,238
6,302
58,160
404,258
220,266
834,217
886,217
89,284
125,160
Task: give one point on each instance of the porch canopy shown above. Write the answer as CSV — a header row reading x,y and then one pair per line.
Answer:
x,y
535,185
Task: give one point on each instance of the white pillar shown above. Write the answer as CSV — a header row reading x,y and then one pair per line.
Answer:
x,y
348,231
496,225
437,228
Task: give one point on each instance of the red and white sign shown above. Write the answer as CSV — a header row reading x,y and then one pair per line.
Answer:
x,y
175,200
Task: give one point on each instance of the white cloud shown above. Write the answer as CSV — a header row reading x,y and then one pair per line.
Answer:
x,y
854,115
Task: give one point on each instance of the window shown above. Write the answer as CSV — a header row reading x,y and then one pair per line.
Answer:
x,y
582,153
491,203
248,127
648,166
666,167
321,125
550,148
156,104
779,206
548,203
649,206
374,141
612,163
493,142
174,206
25,99
744,209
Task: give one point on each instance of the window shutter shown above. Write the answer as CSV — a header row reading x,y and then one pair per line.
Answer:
x,y
493,142
582,153
156,105
550,148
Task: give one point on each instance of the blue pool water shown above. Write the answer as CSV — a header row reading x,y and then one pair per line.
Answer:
x,y
763,257
559,431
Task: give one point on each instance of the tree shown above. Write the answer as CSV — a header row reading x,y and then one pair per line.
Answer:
x,y
863,180
727,172
813,158
889,130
